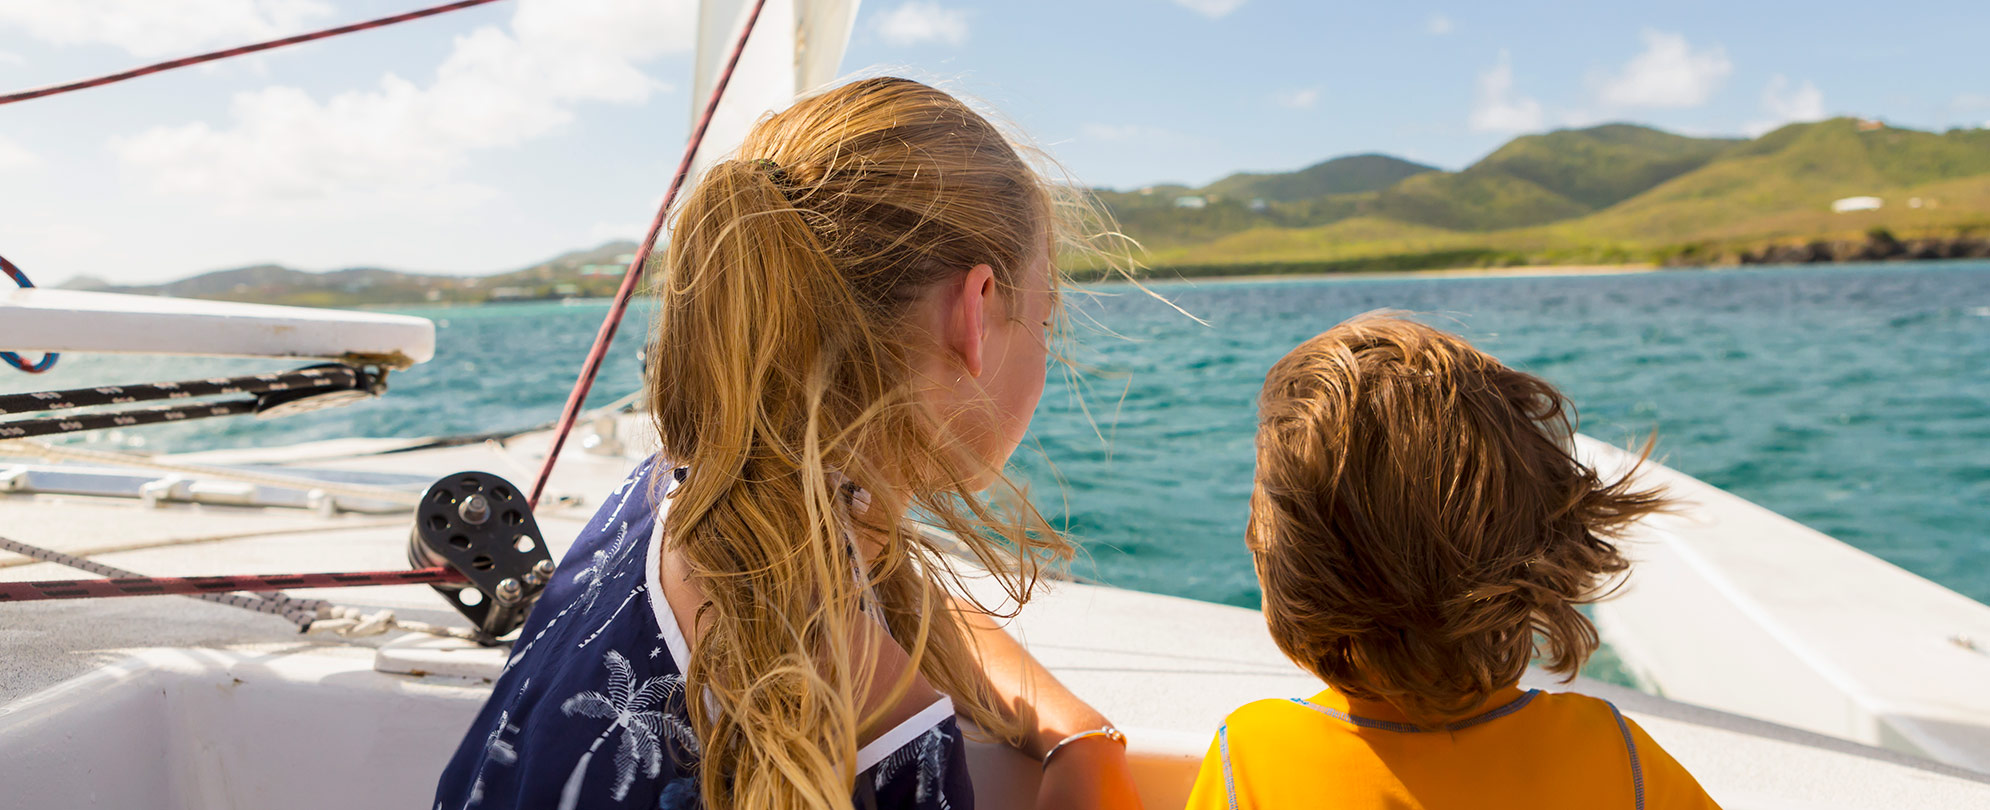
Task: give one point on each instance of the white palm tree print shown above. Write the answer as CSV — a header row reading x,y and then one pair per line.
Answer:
x,y
928,754
624,488
496,749
603,566
641,713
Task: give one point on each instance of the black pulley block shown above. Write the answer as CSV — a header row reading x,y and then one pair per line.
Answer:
x,y
480,525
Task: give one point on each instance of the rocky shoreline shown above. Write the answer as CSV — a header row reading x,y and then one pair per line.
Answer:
x,y
1879,245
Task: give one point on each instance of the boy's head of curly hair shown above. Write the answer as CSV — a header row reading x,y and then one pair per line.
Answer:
x,y
1421,527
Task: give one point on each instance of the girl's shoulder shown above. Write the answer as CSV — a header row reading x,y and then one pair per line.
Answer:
x,y
920,765
590,707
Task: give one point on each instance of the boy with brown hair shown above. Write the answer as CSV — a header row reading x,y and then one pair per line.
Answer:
x,y
1421,531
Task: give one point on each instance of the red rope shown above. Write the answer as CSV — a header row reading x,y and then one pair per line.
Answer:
x,y
152,586
630,276
48,359
245,49
20,278
155,586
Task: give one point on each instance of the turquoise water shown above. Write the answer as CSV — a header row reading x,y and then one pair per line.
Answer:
x,y
1855,399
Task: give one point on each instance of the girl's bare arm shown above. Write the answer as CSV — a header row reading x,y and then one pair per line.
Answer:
x,y
1088,773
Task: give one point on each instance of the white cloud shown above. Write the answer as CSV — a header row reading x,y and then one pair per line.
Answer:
x,y
1303,98
1669,73
918,23
1210,8
1439,25
1497,108
10,58
15,157
496,88
1786,104
157,28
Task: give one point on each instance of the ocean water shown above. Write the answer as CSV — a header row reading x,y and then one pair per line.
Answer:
x,y
1855,399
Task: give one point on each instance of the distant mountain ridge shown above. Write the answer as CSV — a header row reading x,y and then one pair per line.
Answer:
x,y
1609,193
1535,179
1605,194
572,274
1352,174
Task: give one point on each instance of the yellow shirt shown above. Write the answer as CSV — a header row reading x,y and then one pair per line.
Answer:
x,y
1526,750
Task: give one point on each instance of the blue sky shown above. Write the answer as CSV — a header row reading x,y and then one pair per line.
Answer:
x,y
489,139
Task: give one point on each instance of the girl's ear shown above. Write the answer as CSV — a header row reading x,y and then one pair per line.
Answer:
x,y
974,308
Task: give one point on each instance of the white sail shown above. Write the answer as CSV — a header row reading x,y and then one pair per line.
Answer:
x,y
796,47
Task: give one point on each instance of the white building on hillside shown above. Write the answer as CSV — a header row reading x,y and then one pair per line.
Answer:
x,y
1849,204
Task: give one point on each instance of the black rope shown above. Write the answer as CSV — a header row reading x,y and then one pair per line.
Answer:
x,y
74,423
330,376
275,393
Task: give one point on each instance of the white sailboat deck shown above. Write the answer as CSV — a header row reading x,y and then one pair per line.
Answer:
x,y
221,706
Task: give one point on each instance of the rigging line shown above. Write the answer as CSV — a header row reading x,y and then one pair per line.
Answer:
x,y
300,612
20,278
157,586
310,615
303,379
48,359
57,425
275,393
592,366
238,51
264,534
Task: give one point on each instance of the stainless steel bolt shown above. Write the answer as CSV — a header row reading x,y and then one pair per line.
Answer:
x,y
475,510
543,569
508,590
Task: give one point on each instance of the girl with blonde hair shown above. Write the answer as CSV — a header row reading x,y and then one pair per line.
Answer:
x,y
851,332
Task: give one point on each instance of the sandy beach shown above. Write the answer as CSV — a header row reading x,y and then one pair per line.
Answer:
x,y
1161,276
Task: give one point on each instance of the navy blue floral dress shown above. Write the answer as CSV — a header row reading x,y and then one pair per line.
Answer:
x,y
590,711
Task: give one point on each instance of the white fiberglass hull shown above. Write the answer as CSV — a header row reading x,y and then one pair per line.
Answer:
x,y
169,702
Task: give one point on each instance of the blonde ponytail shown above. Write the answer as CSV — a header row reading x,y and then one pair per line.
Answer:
x,y
781,368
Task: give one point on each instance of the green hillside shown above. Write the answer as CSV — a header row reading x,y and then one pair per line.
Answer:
x,y
1797,169
1617,193
1601,166
1536,179
1342,175
1614,193
1475,201
1532,180
593,272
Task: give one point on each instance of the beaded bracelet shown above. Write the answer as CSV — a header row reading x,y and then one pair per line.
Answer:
x,y
1107,732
